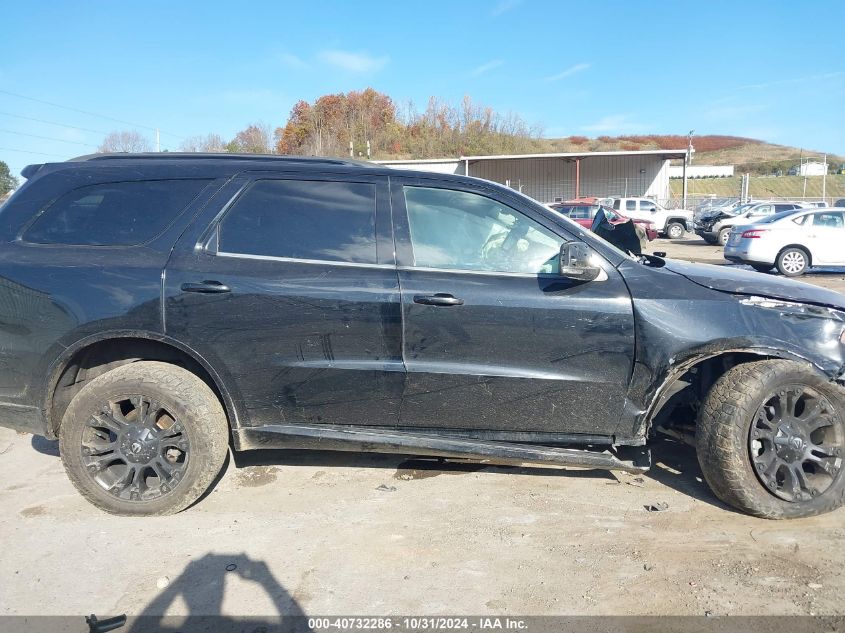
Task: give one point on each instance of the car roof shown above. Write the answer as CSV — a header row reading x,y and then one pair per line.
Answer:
x,y
216,164
219,156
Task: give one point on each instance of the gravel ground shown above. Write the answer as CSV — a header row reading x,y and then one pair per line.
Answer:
x,y
326,533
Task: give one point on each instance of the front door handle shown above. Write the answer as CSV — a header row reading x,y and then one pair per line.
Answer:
x,y
439,299
205,287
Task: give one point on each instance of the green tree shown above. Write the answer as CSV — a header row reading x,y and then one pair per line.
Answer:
x,y
7,181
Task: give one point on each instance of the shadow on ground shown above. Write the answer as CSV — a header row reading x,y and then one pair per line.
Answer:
x,y
202,587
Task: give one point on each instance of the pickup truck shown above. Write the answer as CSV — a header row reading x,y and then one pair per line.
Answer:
x,y
671,223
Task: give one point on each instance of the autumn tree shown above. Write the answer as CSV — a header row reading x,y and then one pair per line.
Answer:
x,y
327,126
124,141
255,139
7,181
207,143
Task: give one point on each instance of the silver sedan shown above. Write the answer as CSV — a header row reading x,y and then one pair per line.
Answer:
x,y
791,241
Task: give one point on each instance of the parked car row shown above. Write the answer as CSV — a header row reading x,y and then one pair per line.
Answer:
x,y
715,226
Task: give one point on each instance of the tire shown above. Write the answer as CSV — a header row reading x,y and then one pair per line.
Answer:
x,y
761,268
747,447
157,466
710,240
675,230
792,262
724,234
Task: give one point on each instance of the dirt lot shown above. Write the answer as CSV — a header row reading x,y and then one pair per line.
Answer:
x,y
321,533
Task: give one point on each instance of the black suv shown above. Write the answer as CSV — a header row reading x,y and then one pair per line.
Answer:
x,y
156,308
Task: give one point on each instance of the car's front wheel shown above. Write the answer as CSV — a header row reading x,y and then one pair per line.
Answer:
x,y
771,439
724,234
147,438
792,262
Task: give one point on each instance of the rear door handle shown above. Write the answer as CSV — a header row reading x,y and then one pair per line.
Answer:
x,y
439,299
205,287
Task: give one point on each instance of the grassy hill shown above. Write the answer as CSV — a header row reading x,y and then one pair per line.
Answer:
x,y
746,154
761,187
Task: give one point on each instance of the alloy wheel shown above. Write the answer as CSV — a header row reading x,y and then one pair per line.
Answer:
x,y
794,262
796,444
135,448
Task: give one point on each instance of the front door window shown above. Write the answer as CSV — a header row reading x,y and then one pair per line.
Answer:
x,y
458,230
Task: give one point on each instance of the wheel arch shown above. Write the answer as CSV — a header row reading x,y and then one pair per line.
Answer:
x,y
679,220
708,367
92,356
799,246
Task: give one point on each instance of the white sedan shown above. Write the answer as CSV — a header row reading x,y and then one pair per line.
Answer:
x,y
792,241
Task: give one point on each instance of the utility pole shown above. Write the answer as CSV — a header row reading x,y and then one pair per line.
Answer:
x,y
687,162
351,150
368,149
824,180
158,141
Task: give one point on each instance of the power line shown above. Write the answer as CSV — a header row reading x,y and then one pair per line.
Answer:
x,y
86,112
72,127
47,138
26,151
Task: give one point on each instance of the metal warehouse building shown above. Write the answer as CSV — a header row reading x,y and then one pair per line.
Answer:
x,y
562,176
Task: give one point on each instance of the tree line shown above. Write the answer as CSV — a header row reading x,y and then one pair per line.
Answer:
x,y
365,124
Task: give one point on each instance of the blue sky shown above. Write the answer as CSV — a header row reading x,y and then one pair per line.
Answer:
x,y
765,69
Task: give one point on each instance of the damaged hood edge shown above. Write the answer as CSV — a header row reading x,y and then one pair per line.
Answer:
x,y
754,284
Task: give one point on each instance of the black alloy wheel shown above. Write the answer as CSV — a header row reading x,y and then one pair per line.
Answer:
x,y
135,449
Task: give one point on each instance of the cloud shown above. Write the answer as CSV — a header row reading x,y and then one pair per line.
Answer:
x,y
577,68
503,6
794,80
292,61
353,62
484,68
614,123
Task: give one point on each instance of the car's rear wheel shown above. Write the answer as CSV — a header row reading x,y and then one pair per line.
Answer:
x,y
771,438
675,230
724,234
793,262
147,438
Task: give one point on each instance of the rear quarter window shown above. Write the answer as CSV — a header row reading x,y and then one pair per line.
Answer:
x,y
113,214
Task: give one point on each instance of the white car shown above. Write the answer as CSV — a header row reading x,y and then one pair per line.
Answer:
x,y
792,241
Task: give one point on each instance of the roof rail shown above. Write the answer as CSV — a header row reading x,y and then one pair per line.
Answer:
x,y
221,156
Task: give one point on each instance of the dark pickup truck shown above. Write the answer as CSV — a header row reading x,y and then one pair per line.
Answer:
x,y
157,309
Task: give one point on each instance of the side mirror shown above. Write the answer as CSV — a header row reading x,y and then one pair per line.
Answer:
x,y
575,262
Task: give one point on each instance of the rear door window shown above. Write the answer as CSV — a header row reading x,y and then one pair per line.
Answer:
x,y
630,205
303,219
831,220
113,214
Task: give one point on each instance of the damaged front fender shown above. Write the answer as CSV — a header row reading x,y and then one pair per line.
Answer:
x,y
681,325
